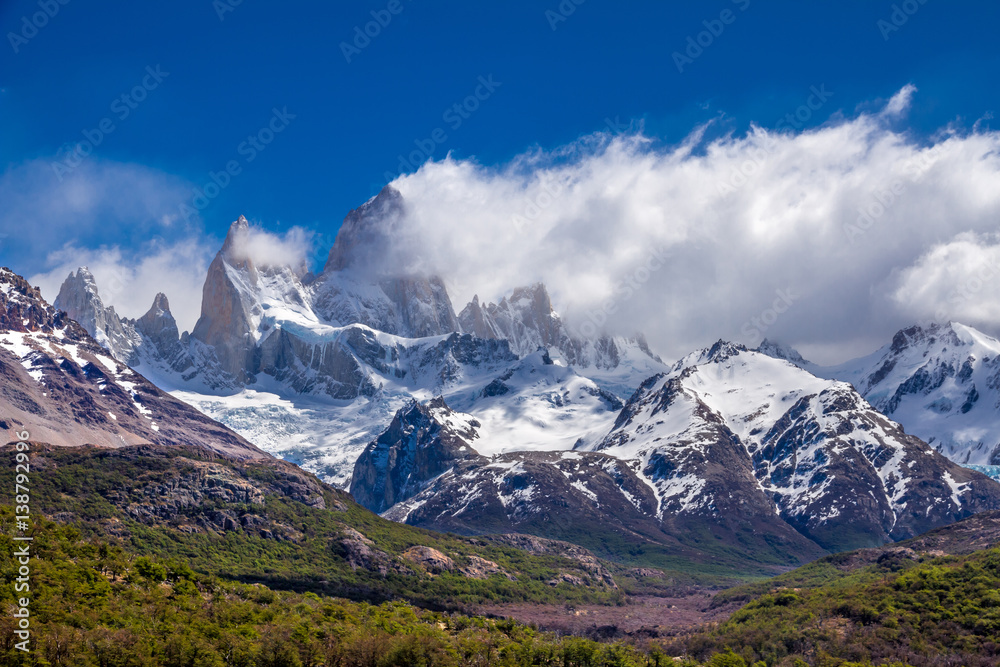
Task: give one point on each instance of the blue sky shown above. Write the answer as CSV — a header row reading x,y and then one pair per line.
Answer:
x,y
224,68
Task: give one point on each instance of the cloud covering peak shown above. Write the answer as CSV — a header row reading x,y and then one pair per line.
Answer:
x,y
828,238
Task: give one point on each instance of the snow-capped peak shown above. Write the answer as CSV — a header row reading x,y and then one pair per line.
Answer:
x,y
942,381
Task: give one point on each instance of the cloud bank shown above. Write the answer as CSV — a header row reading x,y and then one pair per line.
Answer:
x,y
829,239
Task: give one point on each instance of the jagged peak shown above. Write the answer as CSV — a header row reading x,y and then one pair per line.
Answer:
x,y
918,334
160,307
79,295
722,350
780,351
365,234
160,302
82,277
238,231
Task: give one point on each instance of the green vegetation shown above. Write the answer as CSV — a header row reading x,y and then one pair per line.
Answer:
x,y
96,605
98,491
130,570
903,607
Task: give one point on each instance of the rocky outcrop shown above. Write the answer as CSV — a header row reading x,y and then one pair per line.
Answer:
x,y
541,545
480,568
361,553
159,332
432,560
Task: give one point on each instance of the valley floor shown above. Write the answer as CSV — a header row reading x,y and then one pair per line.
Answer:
x,y
642,617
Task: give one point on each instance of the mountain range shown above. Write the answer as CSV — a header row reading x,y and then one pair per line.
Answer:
x,y
496,419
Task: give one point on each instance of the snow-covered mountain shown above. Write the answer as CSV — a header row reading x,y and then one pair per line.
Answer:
x,y
940,382
58,384
313,367
731,439
500,419
527,319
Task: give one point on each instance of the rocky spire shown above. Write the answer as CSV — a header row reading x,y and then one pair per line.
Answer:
x,y
366,235
227,310
81,300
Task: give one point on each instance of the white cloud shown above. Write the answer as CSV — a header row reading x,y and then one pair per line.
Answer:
x,y
958,280
119,219
130,282
831,213
855,229
266,249
900,102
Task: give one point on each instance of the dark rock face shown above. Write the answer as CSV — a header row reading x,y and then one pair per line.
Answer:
x,y
419,445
